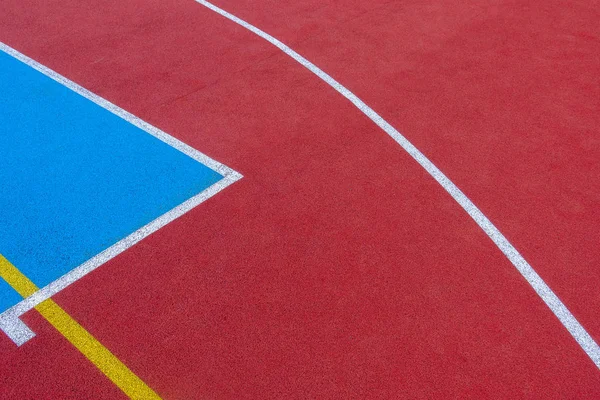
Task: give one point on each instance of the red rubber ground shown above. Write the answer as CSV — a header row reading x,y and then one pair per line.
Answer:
x,y
337,268
503,97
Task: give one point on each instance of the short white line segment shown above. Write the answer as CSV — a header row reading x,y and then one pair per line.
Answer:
x,y
578,332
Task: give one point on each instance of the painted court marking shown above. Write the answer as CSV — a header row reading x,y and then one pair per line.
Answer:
x,y
9,319
569,321
91,348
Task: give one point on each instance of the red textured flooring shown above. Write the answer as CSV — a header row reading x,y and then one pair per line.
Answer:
x,y
337,268
504,97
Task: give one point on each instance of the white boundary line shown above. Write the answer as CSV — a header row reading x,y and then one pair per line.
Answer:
x,y
569,321
10,323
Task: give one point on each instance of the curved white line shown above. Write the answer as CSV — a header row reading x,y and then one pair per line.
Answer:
x,y
541,288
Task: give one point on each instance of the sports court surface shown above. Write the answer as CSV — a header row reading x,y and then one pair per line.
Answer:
x,y
299,199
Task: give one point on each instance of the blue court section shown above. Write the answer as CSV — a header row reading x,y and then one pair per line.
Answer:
x,y
75,178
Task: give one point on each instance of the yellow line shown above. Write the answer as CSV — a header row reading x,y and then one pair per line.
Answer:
x,y
99,355
16,279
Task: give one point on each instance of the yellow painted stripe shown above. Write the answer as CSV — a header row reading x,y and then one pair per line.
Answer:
x,y
16,279
99,355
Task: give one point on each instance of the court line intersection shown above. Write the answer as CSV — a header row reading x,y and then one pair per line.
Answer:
x,y
10,321
79,337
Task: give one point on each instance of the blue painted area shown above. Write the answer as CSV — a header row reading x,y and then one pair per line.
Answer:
x,y
8,295
75,178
